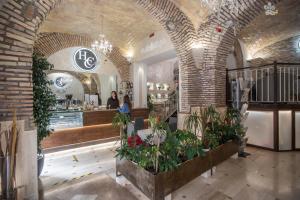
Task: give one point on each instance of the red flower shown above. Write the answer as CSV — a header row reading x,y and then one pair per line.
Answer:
x,y
134,141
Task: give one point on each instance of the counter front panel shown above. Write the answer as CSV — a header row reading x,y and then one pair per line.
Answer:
x,y
95,125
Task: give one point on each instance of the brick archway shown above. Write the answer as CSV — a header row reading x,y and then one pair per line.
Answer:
x,y
19,25
49,43
182,38
218,46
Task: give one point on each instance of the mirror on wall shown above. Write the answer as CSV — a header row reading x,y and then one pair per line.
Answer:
x,y
78,88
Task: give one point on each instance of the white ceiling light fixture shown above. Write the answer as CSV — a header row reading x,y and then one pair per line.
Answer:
x,y
102,44
129,56
270,9
215,6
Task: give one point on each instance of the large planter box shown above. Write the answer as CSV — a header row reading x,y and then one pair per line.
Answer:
x,y
156,187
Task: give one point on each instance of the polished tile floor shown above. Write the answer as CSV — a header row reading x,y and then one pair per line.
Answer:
x,y
89,174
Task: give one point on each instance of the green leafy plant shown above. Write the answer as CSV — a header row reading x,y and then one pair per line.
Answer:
x,y
156,157
43,97
192,122
232,126
182,145
121,120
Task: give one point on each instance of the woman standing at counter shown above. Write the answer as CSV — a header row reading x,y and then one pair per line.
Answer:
x,y
113,101
126,107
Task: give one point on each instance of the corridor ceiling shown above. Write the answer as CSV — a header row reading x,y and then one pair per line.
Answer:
x,y
264,30
125,22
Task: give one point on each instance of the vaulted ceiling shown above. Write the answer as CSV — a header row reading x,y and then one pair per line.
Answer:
x,y
125,23
194,9
265,31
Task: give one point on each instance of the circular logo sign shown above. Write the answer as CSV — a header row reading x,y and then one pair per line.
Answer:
x,y
60,82
85,59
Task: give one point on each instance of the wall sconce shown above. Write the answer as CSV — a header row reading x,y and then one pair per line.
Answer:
x,y
129,56
158,86
87,81
197,45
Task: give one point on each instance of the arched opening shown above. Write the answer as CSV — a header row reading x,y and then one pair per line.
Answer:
x,y
34,26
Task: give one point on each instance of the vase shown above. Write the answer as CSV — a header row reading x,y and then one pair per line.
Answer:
x,y
5,179
40,161
2,175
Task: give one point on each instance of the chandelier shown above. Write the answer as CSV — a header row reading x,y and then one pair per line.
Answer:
x,y
102,44
215,6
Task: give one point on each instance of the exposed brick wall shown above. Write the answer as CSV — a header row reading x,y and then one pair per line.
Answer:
x,y
238,54
18,29
213,74
199,86
49,43
182,38
17,35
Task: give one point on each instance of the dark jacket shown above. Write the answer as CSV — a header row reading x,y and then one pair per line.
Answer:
x,y
112,103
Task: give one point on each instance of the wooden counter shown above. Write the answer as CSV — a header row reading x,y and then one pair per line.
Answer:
x,y
105,116
96,126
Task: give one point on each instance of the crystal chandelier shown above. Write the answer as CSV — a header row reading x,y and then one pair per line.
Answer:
x,y
234,6
102,44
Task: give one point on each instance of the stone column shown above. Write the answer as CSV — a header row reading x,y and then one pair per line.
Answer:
x,y
139,85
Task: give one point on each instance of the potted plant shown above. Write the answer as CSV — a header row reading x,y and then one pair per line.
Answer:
x,y
43,100
158,167
192,123
210,127
121,120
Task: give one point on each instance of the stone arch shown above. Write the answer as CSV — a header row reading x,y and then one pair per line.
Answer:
x,y
19,22
49,43
182,37
218,46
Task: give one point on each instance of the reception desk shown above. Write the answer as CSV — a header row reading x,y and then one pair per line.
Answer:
x,y
73,128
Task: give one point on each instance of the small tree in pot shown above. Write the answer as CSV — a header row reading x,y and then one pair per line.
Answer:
x,y
43,100
121,120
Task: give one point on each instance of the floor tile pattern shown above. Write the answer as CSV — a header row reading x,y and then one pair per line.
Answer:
x,y
89,174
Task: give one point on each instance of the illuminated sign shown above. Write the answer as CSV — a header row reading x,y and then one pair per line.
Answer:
x,y
85,59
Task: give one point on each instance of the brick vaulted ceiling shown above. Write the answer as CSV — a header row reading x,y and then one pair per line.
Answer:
x,y
264,31
125,23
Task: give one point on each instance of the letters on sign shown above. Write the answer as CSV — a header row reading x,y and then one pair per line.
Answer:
x,y
85,59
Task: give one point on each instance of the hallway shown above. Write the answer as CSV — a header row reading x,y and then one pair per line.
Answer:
x,y
264,175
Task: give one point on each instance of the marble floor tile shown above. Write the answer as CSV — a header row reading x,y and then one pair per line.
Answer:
x,y
89,174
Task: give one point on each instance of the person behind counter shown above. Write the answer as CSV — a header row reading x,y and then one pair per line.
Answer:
x,y
99,99
126,107
113,101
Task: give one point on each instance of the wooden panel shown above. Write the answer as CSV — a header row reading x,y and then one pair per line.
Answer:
x,y
97,125
98,117
157,186
140,112
105,116
79,135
